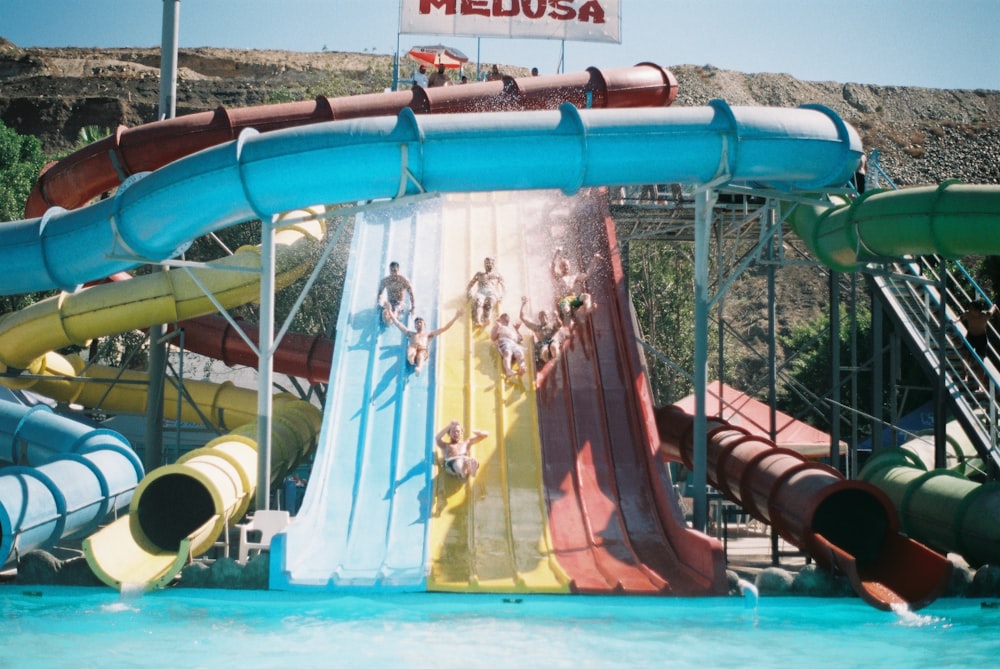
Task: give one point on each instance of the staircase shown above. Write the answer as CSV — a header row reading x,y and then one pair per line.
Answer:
x,y
910,292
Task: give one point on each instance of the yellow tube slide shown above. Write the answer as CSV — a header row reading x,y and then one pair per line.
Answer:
x,y
152,299
179,510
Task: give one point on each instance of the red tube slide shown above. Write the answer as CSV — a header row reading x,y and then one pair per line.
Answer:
x,y
849,527
103,165
304,356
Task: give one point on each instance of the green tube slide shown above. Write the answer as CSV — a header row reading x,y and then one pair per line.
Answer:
x,y
951,219
940,508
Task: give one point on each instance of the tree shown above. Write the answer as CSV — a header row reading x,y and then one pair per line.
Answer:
x,y
661,280
21,160
810,377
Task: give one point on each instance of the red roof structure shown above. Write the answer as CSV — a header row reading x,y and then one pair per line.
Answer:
x,y
743,411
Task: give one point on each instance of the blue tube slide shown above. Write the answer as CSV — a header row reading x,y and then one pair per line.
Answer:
x,y
153,216
64,478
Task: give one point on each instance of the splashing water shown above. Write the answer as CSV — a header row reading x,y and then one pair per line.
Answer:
x,y
749,592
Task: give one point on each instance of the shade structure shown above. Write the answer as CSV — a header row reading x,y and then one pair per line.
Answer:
x,y
438,54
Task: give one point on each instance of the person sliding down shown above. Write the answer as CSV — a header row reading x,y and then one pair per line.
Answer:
x,y
572,301
485,289
418,339
455,450
508,341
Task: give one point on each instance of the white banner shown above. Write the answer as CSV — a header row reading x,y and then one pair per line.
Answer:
x,y
579,20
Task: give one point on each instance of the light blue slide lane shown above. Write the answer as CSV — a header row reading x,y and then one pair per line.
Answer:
x,y
364,518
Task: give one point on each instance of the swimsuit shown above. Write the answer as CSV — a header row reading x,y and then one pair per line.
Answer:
x,y
451,464
508,346
570,302
980,343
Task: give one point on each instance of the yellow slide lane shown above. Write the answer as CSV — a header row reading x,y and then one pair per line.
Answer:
x,y
491,534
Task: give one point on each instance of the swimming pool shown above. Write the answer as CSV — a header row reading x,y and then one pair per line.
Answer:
x,y
93,627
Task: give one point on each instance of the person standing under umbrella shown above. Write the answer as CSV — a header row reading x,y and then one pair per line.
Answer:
x,y
420,77
438,78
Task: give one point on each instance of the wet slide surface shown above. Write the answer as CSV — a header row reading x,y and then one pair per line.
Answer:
x,y
490,534
566,498
616,525
363,521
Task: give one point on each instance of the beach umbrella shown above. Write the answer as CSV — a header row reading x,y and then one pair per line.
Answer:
x,y
438,54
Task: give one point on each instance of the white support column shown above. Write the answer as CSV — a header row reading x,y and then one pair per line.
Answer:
x,y
703,205
265,365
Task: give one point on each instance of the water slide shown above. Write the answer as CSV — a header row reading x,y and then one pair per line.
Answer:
x,y
939,507
482,152
849,527
564,499
106,164
951,219
304,356
27,341
806,147
77,317
180,510
363,520
60,478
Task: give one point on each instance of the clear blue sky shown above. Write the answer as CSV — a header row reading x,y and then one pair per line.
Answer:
x,y
938,44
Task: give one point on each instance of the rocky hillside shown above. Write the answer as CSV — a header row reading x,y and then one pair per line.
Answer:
x,y
923,135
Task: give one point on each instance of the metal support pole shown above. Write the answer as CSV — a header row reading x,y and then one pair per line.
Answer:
x,y
851,466
168,58
395,65
835,370
940,385
772,355
153,453
703,204
895,376
265,366
878,374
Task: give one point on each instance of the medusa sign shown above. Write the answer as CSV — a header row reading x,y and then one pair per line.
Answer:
x,y
583,20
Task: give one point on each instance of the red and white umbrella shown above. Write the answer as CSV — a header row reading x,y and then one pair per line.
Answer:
x,y
438,54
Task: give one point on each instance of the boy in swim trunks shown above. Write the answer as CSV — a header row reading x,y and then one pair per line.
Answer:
x,y
391,290
455,449
485,289
572,300
976,320
508,340
418,339
549,331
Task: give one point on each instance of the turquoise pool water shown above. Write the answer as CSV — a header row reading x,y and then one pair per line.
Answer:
x,y
92,627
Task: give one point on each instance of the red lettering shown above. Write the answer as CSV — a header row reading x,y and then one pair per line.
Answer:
x,y
533,9
447,5
475,7
591,12
562,12
500,8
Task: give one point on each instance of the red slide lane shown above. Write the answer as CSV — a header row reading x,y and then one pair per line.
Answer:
x,y
103,165
615,526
